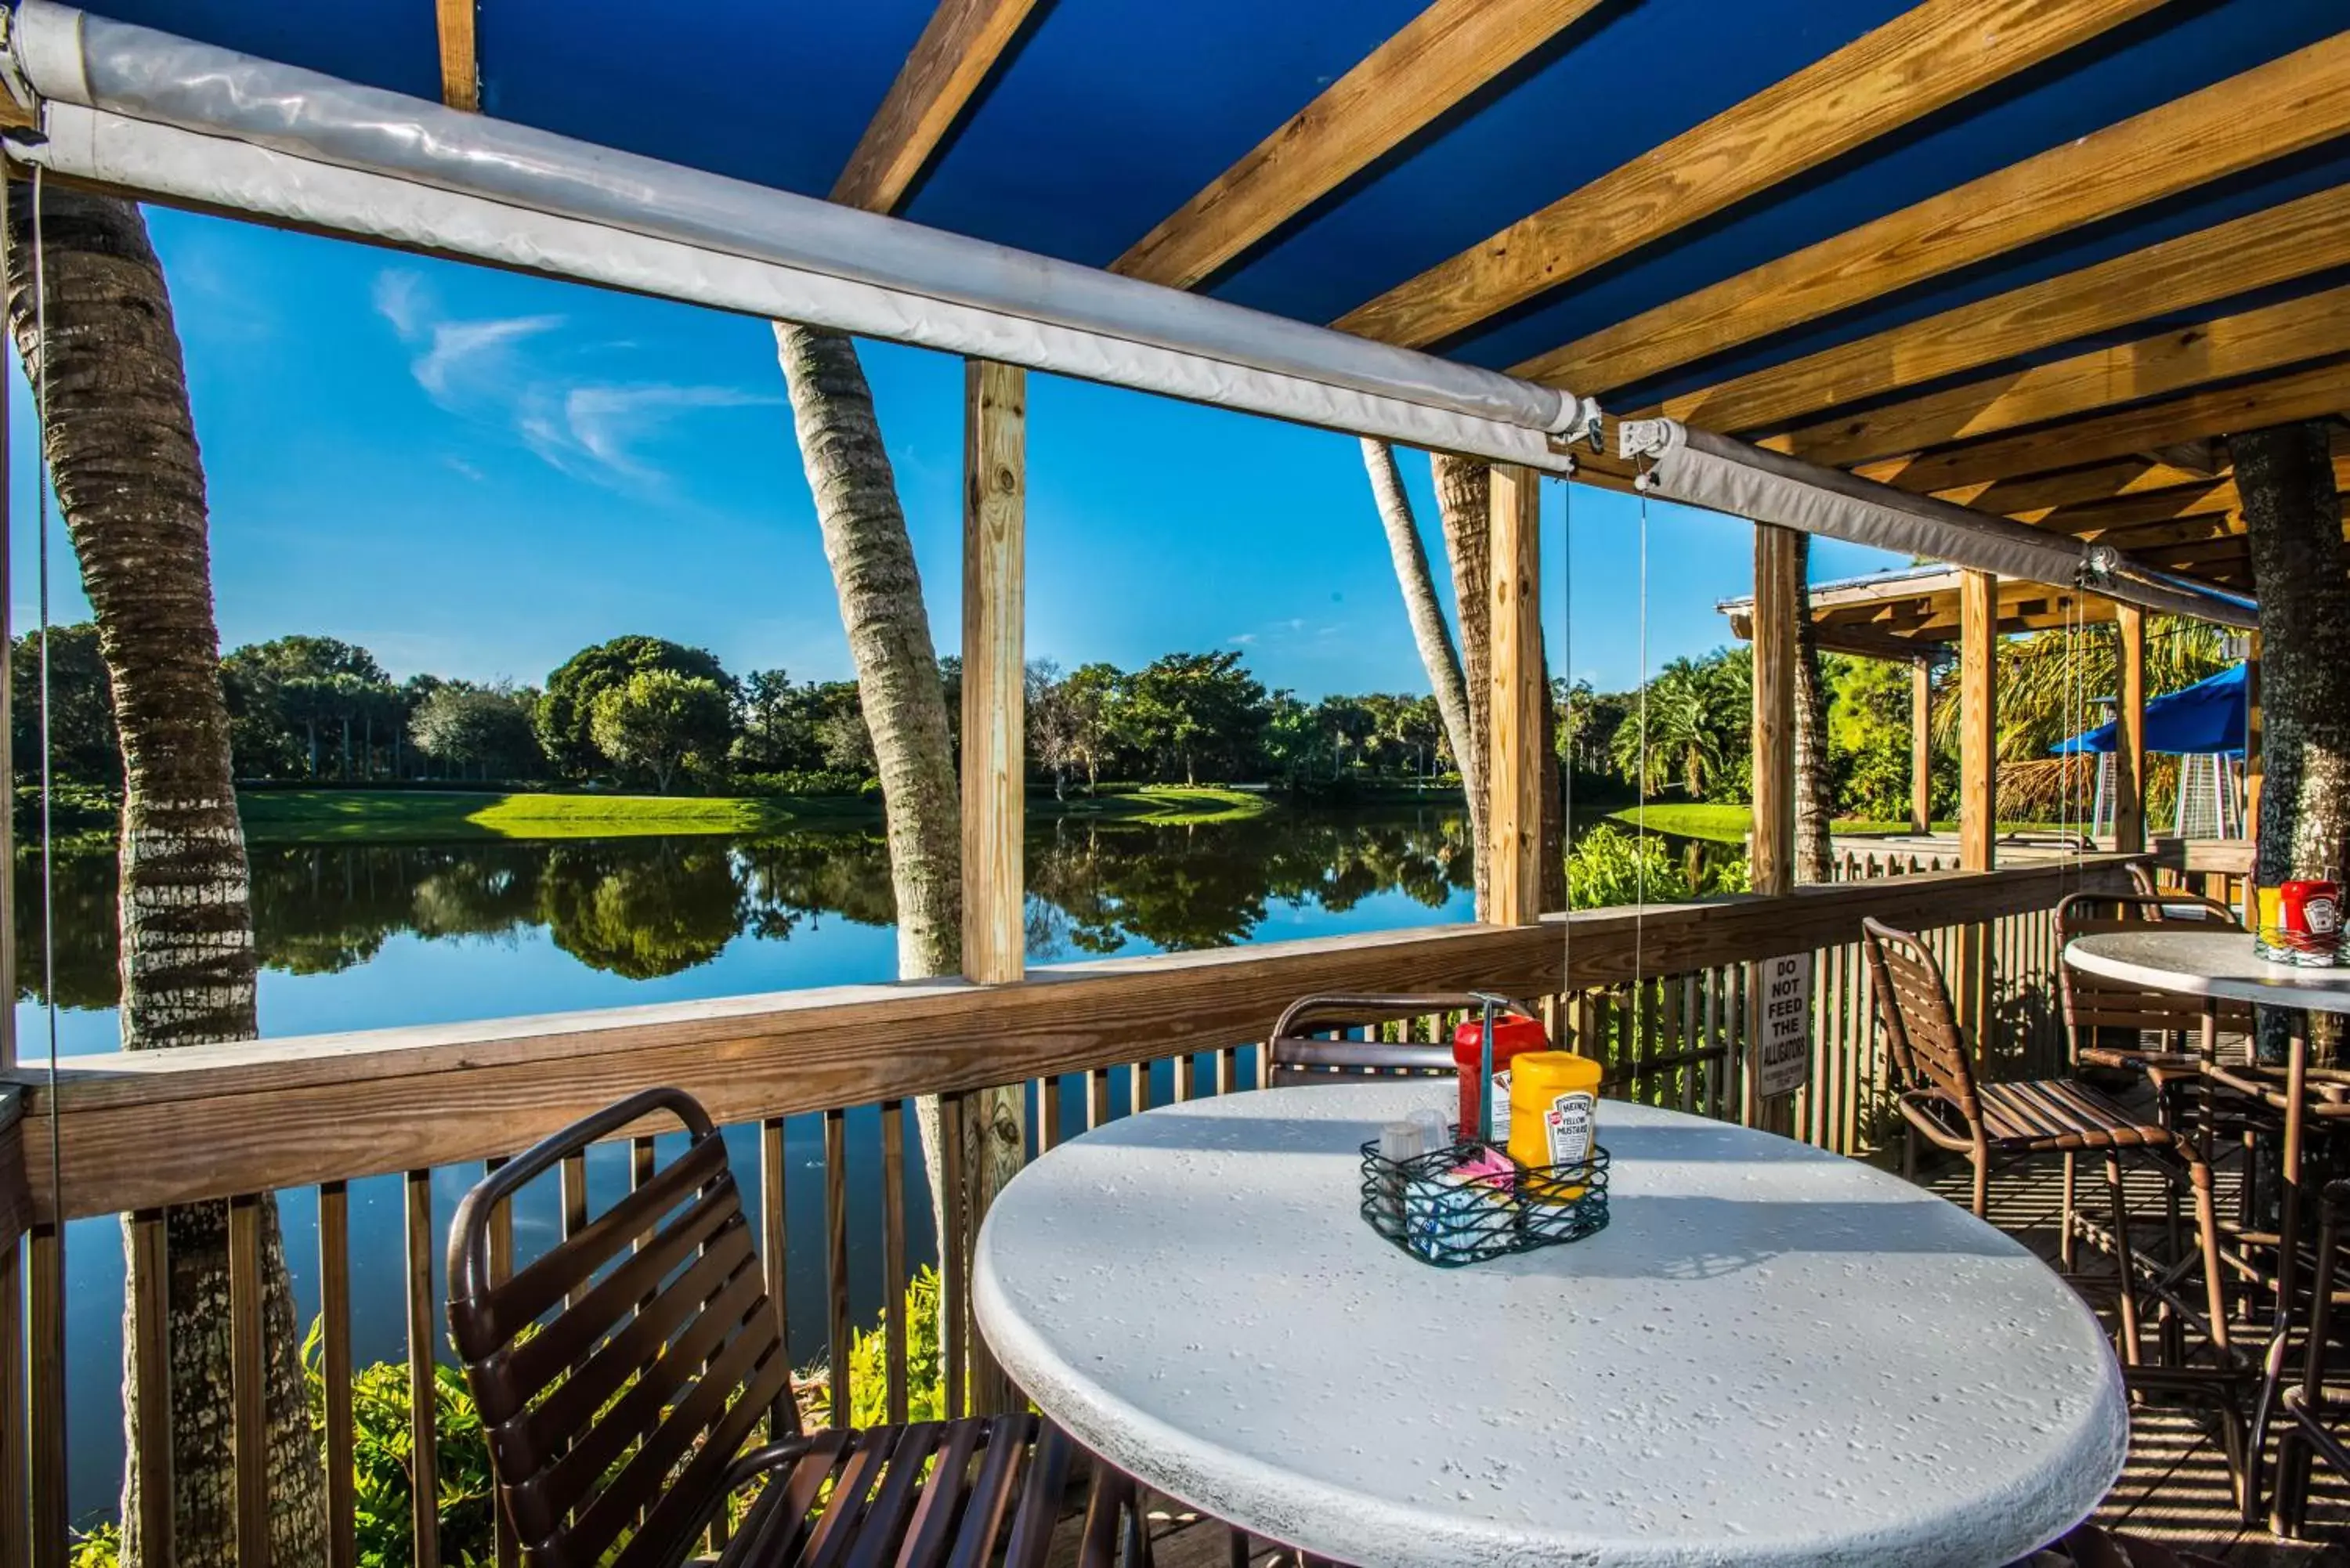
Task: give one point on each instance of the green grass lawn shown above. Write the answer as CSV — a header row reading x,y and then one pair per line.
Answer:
x,y
1730,822
325,815
1167,804
329,816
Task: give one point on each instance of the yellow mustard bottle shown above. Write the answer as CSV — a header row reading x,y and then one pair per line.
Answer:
x,y
1553,1116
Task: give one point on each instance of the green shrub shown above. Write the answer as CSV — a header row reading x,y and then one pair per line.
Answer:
x,y
869,1364
383,1453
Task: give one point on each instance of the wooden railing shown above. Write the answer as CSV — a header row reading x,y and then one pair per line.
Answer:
x,y
827,1078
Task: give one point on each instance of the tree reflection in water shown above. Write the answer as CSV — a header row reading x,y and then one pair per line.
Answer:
x,y
646,908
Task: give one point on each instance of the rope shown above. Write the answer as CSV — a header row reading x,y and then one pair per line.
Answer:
x,y
1566,724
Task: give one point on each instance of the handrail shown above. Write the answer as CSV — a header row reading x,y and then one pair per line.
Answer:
x,y
143,1130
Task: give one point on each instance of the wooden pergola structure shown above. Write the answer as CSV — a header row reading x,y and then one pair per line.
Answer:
x,y
1915,616
2040,258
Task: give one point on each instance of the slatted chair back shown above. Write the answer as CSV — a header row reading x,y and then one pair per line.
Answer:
x,y
1930,1052
618,1374
2094,1004
1310,1042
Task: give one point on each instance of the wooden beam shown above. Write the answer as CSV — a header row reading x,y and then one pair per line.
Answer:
x,y
2262,114
1978,721
460,70
994,795
1514,751
2260,250
1926,58
2129,733
2312,393
1440,58
2247,343
1771,858
957,52
2032,498
1921,744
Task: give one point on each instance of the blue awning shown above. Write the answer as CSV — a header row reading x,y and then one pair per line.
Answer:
x,y
2204,717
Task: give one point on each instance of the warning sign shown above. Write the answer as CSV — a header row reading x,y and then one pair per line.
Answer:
x,y
1783,1042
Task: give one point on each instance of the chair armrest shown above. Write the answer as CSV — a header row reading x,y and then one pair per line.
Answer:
x,y
749,1464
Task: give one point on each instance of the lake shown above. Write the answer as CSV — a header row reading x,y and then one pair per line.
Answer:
x,y
359,936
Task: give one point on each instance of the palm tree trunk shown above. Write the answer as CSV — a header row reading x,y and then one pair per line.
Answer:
x,y
898,685
1437,654
2294,525
121,445
1463,505
1814,808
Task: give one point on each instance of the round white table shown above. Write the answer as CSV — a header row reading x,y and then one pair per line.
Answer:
x,y
1772,1355
2217,964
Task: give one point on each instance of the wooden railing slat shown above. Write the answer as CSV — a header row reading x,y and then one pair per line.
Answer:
x,y
954,1309
782,1420
45,1293
836,1253
423,1423
14,1548
335,1370
248,1381
893,1255
147,1288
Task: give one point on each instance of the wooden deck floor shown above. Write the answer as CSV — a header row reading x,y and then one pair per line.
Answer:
x,y
2175,1490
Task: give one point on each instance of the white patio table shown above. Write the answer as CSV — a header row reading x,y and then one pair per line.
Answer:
x,y
1772,1355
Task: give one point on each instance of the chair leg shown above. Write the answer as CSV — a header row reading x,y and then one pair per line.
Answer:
x,y
2125,1267
2290,1505
1982,1184
2066,1257
2206,1241
1236,1551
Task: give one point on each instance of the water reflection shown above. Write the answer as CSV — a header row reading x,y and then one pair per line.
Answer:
x,y
644,909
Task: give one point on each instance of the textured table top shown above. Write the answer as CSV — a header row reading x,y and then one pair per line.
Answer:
x,y
1771,1355
2217,964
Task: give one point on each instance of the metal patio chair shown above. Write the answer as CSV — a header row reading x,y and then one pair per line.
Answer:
x,y
1997,1126
622,1378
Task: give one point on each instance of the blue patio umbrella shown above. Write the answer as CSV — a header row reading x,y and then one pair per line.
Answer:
x,y
2205,718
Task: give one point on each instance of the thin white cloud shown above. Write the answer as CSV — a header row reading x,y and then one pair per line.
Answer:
x,y
485,369
469,357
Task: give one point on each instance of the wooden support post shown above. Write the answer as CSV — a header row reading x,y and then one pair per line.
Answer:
x,y
2129,732
1773,855
1978,720
1921,744
1978,783
994,798
1514,751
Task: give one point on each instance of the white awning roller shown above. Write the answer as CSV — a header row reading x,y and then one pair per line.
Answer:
x,y
144,111
1728,476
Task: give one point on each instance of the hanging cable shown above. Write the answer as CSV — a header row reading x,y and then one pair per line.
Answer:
x,y
1640,841
40,370
1567,734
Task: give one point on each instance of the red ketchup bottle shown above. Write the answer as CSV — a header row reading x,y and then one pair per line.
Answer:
x,y
2311,913
1514,1035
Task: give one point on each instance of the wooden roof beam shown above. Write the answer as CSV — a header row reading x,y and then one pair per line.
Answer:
x,y
1922,60
2312,393
2261,249
958,51
2262,114
1440,58
461,69
2250,342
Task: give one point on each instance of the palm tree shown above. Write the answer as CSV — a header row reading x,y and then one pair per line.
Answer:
x,y
121,447
903,701
1437,654
1814,784
1678,734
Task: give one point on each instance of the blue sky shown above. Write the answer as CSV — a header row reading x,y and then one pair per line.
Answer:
x,y
477,473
